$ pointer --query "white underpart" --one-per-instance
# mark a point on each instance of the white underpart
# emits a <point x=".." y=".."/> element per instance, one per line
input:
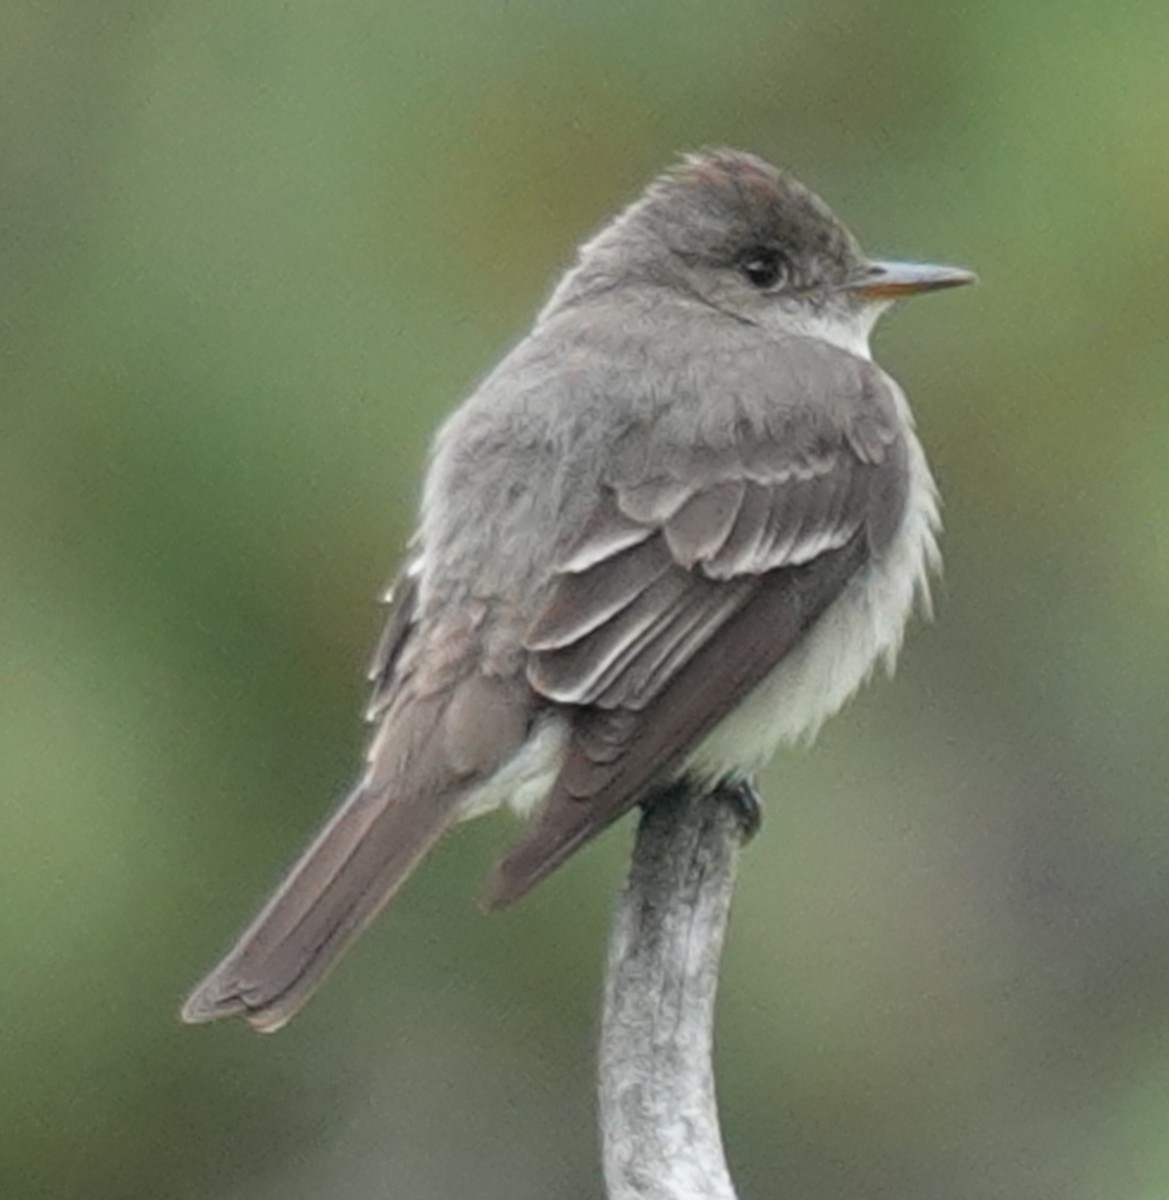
<point x="850" y="332"/>
<point x="527" y="777"/>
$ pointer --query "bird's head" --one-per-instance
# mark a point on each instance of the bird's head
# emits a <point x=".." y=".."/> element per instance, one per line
<point x="732" y="231"/>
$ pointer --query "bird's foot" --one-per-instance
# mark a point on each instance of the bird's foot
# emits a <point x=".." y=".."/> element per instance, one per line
<point x="743" y="796"/>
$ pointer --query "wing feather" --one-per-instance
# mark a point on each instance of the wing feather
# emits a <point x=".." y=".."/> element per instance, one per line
<point x="584" y="601"/>
<point x="700" y="528"/>
<point x="402" y="598"/>
<point x="579" y="670"/>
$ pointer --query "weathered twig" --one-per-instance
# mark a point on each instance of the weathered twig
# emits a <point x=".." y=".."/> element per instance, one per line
<point x="659" y="1119"/>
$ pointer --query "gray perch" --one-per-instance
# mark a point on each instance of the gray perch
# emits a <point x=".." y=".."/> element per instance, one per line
<point x="659" y="1117"/>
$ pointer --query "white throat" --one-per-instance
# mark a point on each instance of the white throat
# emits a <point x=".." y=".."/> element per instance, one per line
<point x="850" y="331"/>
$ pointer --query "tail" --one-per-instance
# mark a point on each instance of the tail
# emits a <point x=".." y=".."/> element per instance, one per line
<point x="346" y="877"/>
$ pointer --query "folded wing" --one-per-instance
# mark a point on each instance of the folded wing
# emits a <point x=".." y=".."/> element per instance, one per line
<point x="697" y="572"/>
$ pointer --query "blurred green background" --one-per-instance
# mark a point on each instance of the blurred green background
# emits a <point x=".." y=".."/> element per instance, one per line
<point x="249" y="254"/>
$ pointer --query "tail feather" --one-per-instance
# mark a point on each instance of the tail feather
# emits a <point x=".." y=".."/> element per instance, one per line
<point x="345" y="878"/>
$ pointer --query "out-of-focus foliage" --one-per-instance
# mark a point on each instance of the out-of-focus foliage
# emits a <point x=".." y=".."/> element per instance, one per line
<point x="249" y="254"/>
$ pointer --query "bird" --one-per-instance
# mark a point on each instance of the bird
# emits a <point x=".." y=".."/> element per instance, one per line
<point x="675" y="529"/>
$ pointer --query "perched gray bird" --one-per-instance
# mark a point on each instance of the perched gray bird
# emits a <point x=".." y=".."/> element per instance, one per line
<point x="677" y="526"/>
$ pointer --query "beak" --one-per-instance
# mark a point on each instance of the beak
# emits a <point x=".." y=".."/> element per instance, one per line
<point x="895" y="280"/>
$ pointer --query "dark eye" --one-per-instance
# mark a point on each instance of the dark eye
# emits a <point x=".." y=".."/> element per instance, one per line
<point x="764" y="268"/>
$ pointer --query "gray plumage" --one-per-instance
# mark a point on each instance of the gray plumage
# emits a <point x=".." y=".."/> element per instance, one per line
<point x="686" y="496"/>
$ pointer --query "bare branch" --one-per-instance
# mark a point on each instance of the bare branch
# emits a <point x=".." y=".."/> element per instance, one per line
<point x="659" y="1118"/>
